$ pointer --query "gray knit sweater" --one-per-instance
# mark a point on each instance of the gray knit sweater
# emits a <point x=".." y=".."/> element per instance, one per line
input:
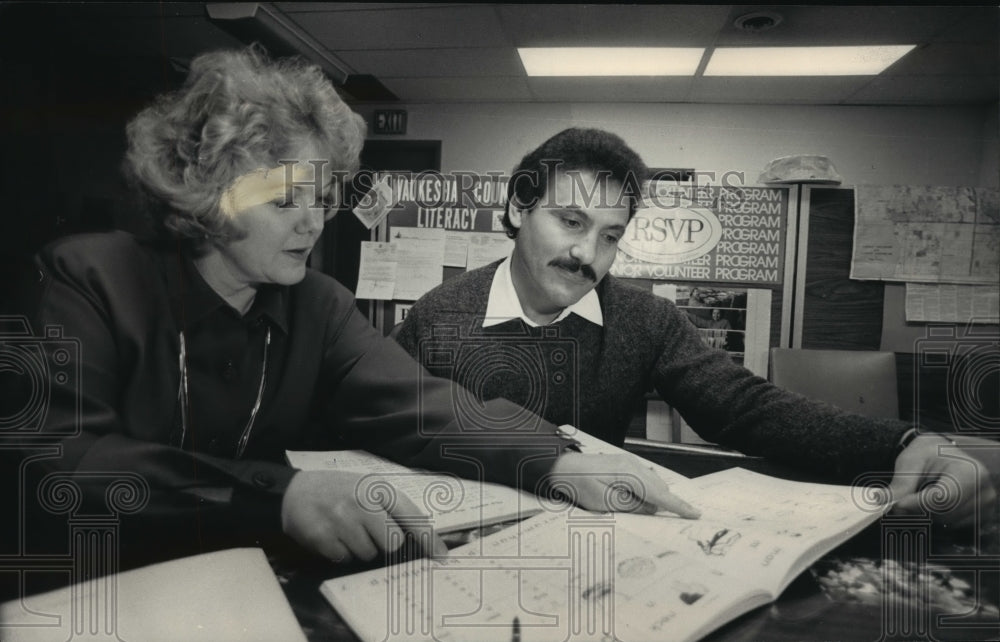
<point x="592" y="377"/>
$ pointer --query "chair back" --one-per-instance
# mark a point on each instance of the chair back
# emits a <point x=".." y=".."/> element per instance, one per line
<point x="859" y="381"/>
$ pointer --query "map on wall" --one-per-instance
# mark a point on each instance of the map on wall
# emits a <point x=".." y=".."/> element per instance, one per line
<point x="926" y="234"/>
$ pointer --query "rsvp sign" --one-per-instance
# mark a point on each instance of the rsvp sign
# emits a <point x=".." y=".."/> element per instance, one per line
<point x="719" y="234"/>
<point x="671" y="234"/>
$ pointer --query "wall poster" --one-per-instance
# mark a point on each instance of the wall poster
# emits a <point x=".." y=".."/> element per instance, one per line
<point x="718" y="234"/>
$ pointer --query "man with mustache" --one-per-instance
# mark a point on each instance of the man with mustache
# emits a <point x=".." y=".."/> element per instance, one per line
<point x="549" y="329"/>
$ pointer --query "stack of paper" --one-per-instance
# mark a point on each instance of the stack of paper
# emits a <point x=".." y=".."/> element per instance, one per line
<point x="215" y="597"/>
<point x="452" y="503"/>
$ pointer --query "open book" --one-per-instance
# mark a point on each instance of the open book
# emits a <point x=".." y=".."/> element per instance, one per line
<point x="571" y="574"/>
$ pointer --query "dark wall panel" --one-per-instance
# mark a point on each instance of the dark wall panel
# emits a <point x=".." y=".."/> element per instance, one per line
<point x="838" y="313"/>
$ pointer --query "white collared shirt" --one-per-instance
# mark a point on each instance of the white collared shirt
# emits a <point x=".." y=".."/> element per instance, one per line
<point x="503" y="304"/>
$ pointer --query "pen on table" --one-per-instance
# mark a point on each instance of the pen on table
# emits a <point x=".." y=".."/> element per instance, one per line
<point x="516" y="635"/>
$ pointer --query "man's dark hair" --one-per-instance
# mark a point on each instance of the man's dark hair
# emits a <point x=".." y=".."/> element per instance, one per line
<point x="604" y="154"/>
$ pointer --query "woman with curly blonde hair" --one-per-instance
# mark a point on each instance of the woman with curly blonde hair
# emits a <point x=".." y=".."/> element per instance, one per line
<point x="236" y="111"/>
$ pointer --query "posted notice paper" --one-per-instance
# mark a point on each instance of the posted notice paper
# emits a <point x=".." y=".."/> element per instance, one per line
<point x="420" y="260"/>
<point x="376" y="203"/>
<point x="486" y="247"/>
<point x="377" y="272"/>
<point x="952" y="303"/>
<point x="456" y="248"/>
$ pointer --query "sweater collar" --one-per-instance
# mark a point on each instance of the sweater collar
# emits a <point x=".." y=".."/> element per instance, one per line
<point x="503" y="304"/>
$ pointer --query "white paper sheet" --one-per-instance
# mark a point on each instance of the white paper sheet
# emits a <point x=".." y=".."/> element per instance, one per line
<point x="486" y="247"/>
<point x="420" y="257"/>
<point x="376" y="203"/>
<point x="456" y="249"/>
<point x="377" y="272"/>
<point x="953" y="303"/>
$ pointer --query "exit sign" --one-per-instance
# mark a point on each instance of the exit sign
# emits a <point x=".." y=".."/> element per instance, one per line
<point x="390" y="121"/>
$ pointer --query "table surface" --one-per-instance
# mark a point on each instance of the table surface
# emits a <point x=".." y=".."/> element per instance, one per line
<point x="852" y="593"/>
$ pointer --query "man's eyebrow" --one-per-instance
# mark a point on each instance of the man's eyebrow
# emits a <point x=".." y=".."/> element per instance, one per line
<point x="569" y="209"/>
<point x="617" y="227"/>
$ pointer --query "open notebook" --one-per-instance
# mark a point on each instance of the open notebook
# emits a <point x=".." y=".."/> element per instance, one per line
<point x="571" y="574"/>
<point x="214" y="597"/>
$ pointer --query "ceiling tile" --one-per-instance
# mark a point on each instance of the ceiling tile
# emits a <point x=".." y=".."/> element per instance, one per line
<point x="979" y="24"/>
<point x="459" y="90"/>
<point x="127" y="37"/>
<point x="948" y="58"/>
<point x="782" y="90"/>
<point x="611" y="25"/>
<point x="929" y="90"/>
<point x="845" y="25"/>
<point x="404" y="27"/>
<point x="414" y="63"/>
<point x="625" y="89"/>
<point x="91" y="10"/>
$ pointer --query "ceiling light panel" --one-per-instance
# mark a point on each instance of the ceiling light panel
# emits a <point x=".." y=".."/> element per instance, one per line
<point x="610" y="61"/>
<point x="804" y="61"/>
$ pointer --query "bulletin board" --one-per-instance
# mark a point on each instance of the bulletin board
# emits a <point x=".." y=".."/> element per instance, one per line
<point x="464" y="208"/>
